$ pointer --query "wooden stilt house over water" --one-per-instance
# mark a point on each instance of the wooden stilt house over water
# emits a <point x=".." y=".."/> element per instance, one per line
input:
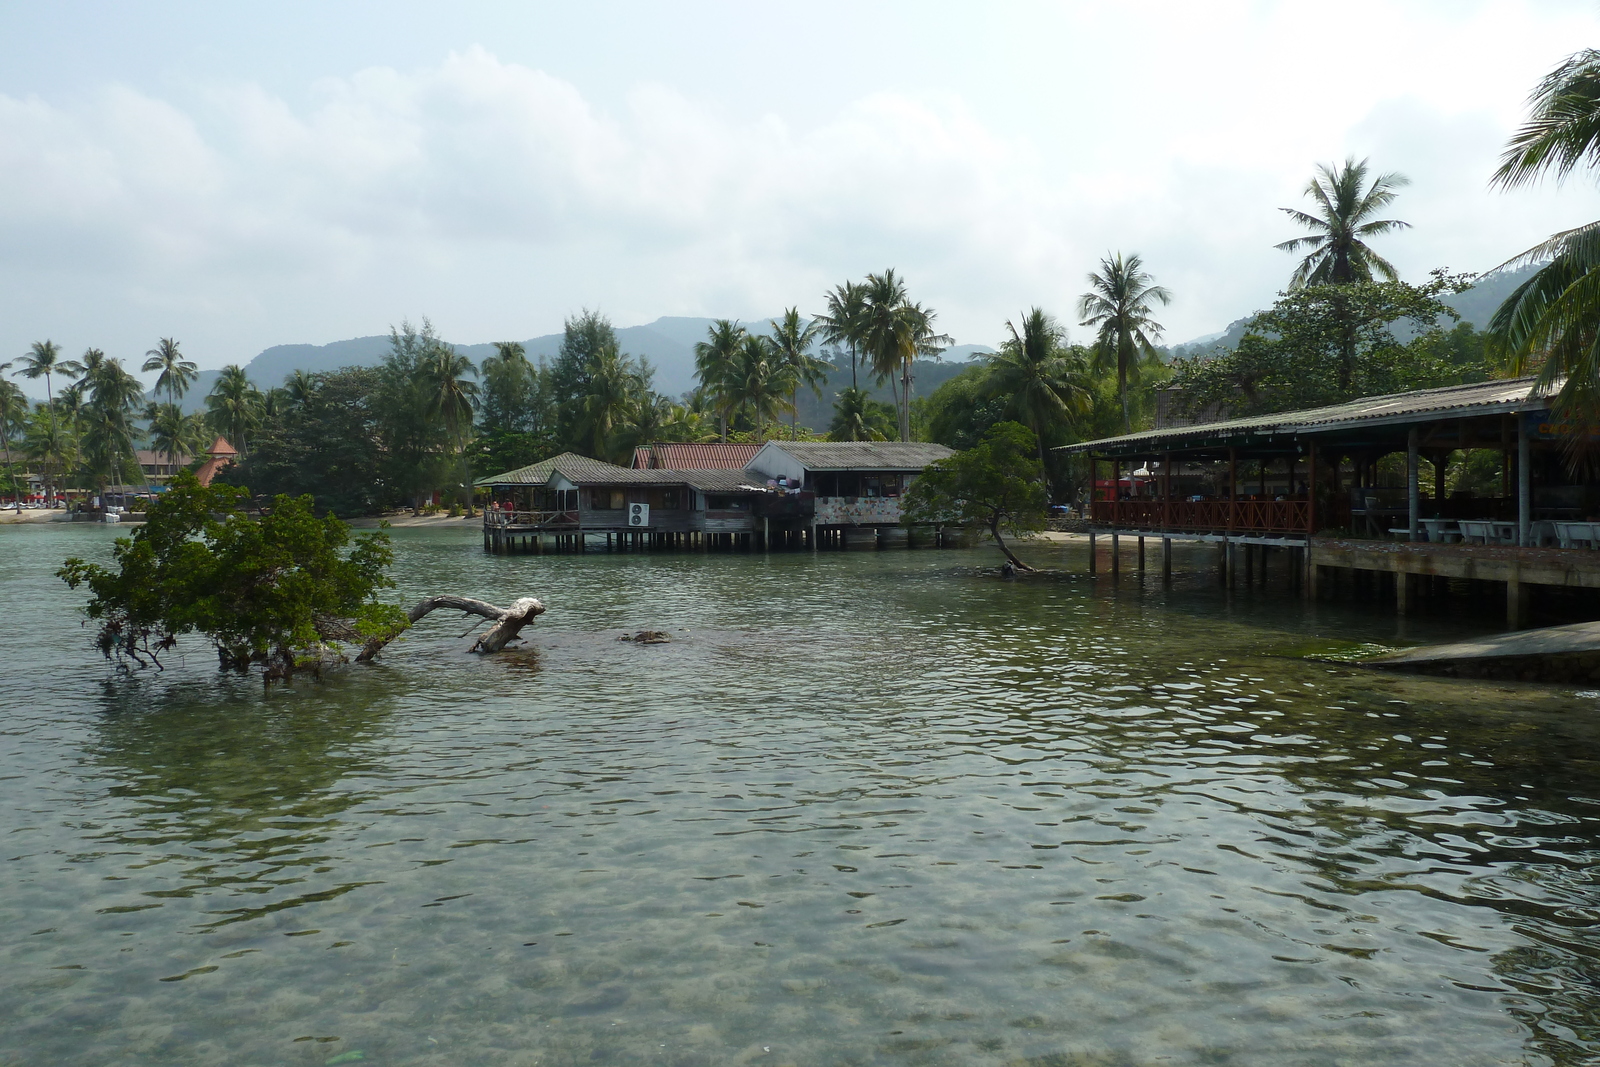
<point x="1343" y="487"/>
<point x="783" y="494"/>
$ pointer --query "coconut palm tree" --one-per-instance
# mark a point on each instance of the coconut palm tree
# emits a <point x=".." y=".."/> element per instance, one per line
<point x="1119" y="303"/>
<point x="894" y="333"/>
<point x="793" y="342"/>
<point x="1036" y="373"/>
<point x="611" y="403"/>
<point x="449" y="397"/>
<point x="1552" y="320"/>
<point x="176" y="372"/>
<point x="13" y="416"/>
<point x="762" y="383"/>
<point x="715" y="361"/>
<point x="43" y="359"/>
<point x="858" y="417"/>
<point x="1345" y="203"/>
<point x="113" y="397"/>
<point x="843" y="321"/>
<point x="234" y="407"/>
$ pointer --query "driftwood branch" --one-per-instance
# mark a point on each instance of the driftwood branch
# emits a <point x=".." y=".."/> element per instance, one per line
<point x="508" y="621"/>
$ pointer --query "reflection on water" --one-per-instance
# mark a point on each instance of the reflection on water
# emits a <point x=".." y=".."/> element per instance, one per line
<point x="872" y="808"/>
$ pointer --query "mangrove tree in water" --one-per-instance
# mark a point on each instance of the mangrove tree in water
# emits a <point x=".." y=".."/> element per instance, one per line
<point x="998" y="484"/>
<point x="287" y="591"/>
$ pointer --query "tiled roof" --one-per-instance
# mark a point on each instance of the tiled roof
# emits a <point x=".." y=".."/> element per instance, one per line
<point x="1479" y="398"/>
<point x="722" y="481"/>
<point x="575" y="467"/>
<point x="221" y="447"/>
<point x="692" y="457"/>
<point x="864" y="455"/>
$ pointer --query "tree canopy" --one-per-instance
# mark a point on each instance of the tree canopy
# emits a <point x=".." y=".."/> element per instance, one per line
<point x="280" y="591"/>
<point x="997" y="484"/>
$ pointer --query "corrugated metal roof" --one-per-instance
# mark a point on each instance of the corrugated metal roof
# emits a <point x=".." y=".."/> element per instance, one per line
<point x="708" y="457"/>
<point x="1479" y="398"/>
<point x="721" y="481"/>
<point x="864" y="455"/>
<point x="585" y="471"/>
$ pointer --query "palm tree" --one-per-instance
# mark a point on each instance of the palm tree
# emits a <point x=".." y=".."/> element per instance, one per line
<point x="1119" y="303"/>
<point x="611" y="402"/>
<point x="176" y="372"/>
<point x="43" y="358"/>
<point x="715" y="360"/>
<point x="13" y="416"/>
<point x="793" y="342"/>
<point x="449" y="397"/>
<point x="1345" y="205"/>
<point x="114" y="395"/>
<point x="762" y="382"/>
<point x="842" y="323"/>
<point x="894" y="333"/>
<point x="234" y="407"/>
<point x="1035" y="371"/>
<point x="1552" y="320"/>
<point x="858" y="417"/>
<point x="300" y="387"/>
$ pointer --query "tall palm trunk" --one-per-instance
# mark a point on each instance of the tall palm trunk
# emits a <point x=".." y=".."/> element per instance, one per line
<point x="905" y="407"/>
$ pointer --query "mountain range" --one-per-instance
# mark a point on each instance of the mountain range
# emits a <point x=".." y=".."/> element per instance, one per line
<point x="668" y="343"/>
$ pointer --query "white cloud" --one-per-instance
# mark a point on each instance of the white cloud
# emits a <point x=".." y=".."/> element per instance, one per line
<point x="499" y="198"/>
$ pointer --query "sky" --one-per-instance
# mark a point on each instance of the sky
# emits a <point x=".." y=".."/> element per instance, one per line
<point x="239" y="176"/>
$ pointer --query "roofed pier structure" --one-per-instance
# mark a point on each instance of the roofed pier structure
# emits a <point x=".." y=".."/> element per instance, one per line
<point x="782" y="494"/>
<point x="1342" y="487"/>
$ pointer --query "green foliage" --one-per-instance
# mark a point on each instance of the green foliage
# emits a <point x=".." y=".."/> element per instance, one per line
<point x="858" y="417"/>
<point x="1325" y="344"/>
<point x="325" y="442"/>
<point x="1119" y="302"/>
<point x="1337" y="253"/>
<point x="997" y="484"/>
<point x="276" y="591"/>
<point x="1551" y="323"/>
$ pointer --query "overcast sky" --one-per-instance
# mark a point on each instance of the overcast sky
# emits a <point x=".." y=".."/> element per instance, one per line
<point x="311" y="172"/>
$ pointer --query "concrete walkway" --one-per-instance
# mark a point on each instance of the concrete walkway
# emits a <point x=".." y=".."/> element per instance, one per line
<point x="1554" y="654"/>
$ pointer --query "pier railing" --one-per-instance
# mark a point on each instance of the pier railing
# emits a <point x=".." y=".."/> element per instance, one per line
<point x="1204" y="516"/>
<point x="542" y="519"/>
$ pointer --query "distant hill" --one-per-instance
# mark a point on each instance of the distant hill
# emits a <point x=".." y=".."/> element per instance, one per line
<point x="1477" y="305"/>
<point x="668" y="343"/>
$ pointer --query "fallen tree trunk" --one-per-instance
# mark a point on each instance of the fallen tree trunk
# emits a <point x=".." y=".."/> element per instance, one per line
<point x="508" y="621"/>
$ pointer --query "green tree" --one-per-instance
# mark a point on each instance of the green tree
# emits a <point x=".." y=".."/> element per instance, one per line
<point x="611" y="404"/>
<point x="894" y="332"/>
<point x="176" y="372"/>
<point x="1337" y="252"/>
<point x="858" y="417"/>
<point x="1119" y="303"/>
<point x="517" y="420"/>
<point x="583" y="339"/>
<point x="794" y="342"/>
<point x="108" y="439"/>
<point x="1039" y="377"/>
<point x="174" y="433"/>
<point x="415" y="444"/>
<point x="13" y="417"/>
<point x="275" y="591"/>
<point x="844" y="322"/>
<point x="716" y="366"/>
<point x="234" y="407"/>
<point x="1325" y="344"/>
<point x="330" y="445"/>
<point x="998" y="484"/>
<point x="1551" y="322"/>
<point x="43" y="359"/>
<point x="448" y="399"/>
<point x="762" y="383"/>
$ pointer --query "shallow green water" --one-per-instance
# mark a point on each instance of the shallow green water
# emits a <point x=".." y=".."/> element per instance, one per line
<point x="876" y="808"/>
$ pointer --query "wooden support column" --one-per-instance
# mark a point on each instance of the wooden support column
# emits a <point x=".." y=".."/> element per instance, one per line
<point x="1141" y="554"/>
<point x="1116" y="556"/>
<point x="1402" y="593"/>
<point x="1092" y="561"/>
<point x="1233" y="492"/>
<point x="1524" y="484"/>
<point x="1166" y="491"/>
<point x="1516" y="602"/>
<point x="1413" y="491"/>
<point x="1166" y="561"/>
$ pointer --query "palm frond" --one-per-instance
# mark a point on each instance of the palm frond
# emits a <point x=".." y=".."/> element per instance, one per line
<point x="1563" y="129"/>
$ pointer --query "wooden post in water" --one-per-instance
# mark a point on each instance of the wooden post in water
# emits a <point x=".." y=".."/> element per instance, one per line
<point x="1116" y="555"/>
<point x="1092" y="560"/>
<point x="1166" y="561"/>
<point x="1141" y="555"/>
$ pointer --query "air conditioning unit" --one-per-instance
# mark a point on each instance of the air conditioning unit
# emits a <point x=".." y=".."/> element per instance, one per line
<point x="638" y="514"/>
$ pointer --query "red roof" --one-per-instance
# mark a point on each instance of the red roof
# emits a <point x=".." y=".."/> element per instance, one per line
<point x="687" y="457"/>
